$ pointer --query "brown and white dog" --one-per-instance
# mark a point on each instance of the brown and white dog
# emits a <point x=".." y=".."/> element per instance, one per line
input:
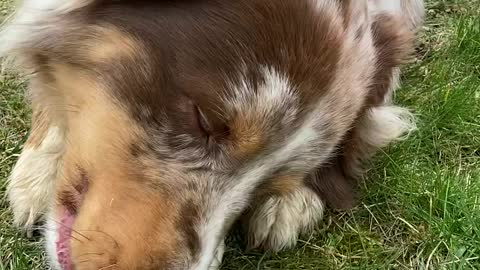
<point x="157" y="124"/>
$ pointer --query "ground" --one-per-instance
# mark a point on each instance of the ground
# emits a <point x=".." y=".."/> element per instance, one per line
<point x="421" y="199"/>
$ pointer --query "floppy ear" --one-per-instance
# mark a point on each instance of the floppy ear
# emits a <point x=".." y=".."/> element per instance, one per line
<point x="34" y="21"/>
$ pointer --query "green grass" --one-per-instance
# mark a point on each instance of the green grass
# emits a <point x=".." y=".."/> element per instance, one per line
<point x="421" y="204"/>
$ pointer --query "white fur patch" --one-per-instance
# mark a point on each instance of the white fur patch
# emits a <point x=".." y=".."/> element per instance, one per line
<point x="61" y="6"/>
<point x="217" y="260"/>
<point x="394" y="85"/>
<point x="270" y="98"/>
<point x="412" y="10"/>
<point x="51" y="229"/>
<point x="277" y="223"/>
<point x="32" y="182"/>
<point x="392" y="6"/>
<point x="32" y="19"/>
<point x="386" y="124"/>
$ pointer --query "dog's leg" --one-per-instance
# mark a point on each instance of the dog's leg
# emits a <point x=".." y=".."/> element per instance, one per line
<point x="32" y="181"/>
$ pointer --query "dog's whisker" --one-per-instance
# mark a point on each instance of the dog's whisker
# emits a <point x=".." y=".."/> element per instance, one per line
<point x="73" y="230"/>
<point x="101" y="232"/>
<point x="84" y="261"/>
<point x="88" y="254"/>
<point x="108" y="267"/>
<point x="47" y="228"/>
<point x="75" y="238"/>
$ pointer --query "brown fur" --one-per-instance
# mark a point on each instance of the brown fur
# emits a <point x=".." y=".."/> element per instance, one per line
<point x="247" y="139"/>
<point x="280" y="185"/>
<point x="394" y="44"/>
<point x="156" y="134"/>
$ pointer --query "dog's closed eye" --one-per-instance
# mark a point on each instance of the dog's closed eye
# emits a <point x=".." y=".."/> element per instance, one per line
<point x="202" y="121"/>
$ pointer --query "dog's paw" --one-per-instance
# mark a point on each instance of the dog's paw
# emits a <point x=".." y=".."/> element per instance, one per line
<point x="32" y="182"/>
<point x="217" y="260"/>
<point x="277" y="223"/>
<point x="30" y="189"/>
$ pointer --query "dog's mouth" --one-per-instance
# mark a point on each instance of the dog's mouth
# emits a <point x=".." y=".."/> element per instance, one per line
<point x="70" y="202"/>
<point x="64" y="234"/>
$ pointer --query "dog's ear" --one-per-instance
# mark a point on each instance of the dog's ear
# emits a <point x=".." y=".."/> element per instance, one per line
<point x="33" y="25"/>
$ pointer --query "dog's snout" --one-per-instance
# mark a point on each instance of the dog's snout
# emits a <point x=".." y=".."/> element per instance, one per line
<point x="94" y="250"/>
<point x="124" y="227"/>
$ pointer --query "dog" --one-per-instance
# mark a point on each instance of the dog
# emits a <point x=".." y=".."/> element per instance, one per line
<point x="159" y="124"/>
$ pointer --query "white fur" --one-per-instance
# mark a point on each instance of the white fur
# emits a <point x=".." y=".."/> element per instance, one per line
<point x="60" y="6"/>
<point x="217" y="260"/>
<point x="386" y="124"/>
<point x="274" y="95"/>
<point x="392" y="6"/>
<point x="394" y="85"/>
<point x="51" y="229"/>
<point x="413" y="11"/>
<point x="31" y="20"/>
<point x="278" y="222"/>
<point x="32" y="182"/>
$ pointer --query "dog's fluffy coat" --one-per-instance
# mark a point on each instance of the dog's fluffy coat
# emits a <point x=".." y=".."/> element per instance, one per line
<point x="157" y="124"/>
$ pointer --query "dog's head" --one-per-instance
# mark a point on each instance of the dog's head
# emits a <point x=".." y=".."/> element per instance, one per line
<point x="172" y="113"/>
